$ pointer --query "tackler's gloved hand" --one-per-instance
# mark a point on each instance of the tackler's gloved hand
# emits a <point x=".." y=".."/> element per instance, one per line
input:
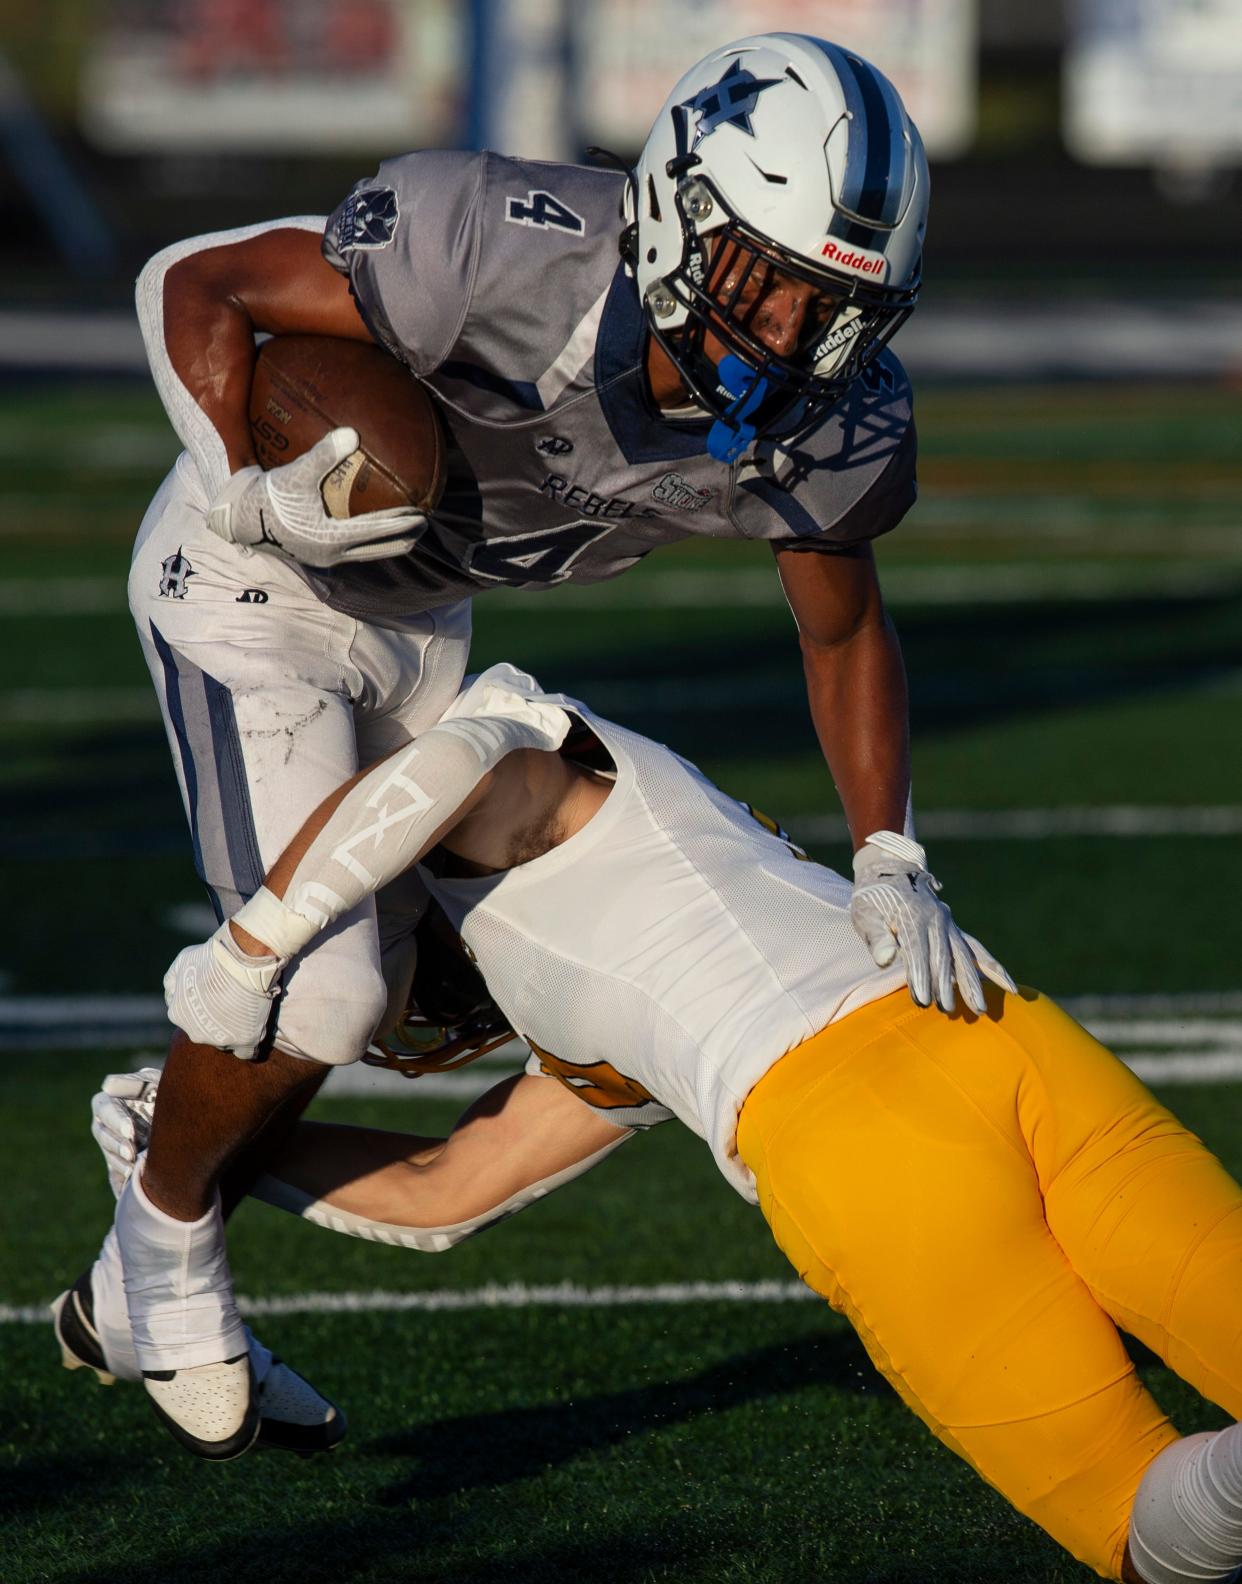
<point x="219" y="995"/>
<point x="282" y="512"/>
<point x="895" y="909"/>
<point x="121" y="1121"/>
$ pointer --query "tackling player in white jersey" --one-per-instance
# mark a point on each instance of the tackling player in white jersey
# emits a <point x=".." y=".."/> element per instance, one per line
<point x="986" y="1197"/>
<point x="622" y="360"/>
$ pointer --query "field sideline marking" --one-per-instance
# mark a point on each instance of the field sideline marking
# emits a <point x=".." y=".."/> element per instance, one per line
<point x="510" y="1295"/>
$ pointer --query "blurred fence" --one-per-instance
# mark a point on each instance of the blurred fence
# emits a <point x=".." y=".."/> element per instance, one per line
<point x="124" y="123"/>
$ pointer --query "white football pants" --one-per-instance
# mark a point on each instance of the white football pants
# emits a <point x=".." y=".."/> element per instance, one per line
<point x="271" y="699"/>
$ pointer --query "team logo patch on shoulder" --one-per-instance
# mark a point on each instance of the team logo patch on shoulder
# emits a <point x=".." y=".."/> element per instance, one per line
<point x="367" y="220"/>
<point x="553" y="445"/>
<point x="678" y="492"/>
<point x="175" y="575"/>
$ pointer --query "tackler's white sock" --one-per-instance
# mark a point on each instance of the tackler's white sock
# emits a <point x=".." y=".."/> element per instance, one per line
<point x="1187" y="1519"/>
<point x="178" y="1289"/>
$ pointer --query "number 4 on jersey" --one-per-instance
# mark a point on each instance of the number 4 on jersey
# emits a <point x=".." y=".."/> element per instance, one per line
<point x="542" y="209"/>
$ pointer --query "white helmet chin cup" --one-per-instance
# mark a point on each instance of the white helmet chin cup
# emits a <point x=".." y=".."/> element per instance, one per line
<point x="805" y="151"/>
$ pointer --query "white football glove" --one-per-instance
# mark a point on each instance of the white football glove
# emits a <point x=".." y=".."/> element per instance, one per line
<point x="219" y="995"/>
<point x="895" y="909"/>
<point x="121" y="1121"/>
<point x="283" y="512"/>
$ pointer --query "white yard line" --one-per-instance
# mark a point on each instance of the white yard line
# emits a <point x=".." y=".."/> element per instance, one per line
<point x="1185" y="1067"/>
<point x="1168" y="1031"/>
<point x="512" y="1295"/>
<point x="1041" y="824"/>
<point x="1191" y="1038"/>
<point x="1173" y="1005"/>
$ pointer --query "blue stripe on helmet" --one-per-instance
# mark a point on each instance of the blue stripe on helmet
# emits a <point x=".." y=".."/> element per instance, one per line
<point x="876" y="153"/>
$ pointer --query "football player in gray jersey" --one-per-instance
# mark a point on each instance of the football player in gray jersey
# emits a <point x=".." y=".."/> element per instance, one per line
<point x="622" y="360"/>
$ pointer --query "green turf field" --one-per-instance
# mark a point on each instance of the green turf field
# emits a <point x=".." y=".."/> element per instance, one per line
<point x="1069" y="592"/>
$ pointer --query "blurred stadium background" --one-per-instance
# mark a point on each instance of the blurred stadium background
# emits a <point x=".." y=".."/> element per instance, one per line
<point x="599" y="1387"/>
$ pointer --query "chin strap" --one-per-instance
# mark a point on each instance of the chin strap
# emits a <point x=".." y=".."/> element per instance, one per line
<point x="731" y="435"/>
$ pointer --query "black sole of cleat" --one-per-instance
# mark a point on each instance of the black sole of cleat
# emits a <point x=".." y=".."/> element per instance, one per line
<point x="278" y="1435"/>
<point x="225" y="1451"/>
<point x="73" y="1319"/>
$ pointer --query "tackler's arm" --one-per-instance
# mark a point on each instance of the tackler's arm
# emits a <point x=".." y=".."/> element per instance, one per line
<point x="525" y="1137"/>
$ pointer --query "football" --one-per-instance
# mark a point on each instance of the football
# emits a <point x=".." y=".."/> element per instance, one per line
<point x="306" y="385"/>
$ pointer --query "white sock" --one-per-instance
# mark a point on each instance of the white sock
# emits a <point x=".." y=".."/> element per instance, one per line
<point x="178" y="1289"/>
<point x="111" y="1315"/>
<point x="1187" y="1519"/>
<point x="112" y="1319"/>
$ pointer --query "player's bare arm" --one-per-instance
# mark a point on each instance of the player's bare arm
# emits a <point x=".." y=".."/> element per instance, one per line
<point x="855" y="680"/>
<point x="525" y="1136"/>
<point x="216" y="300"/>
<point x="521" y="1133"/>
<point x="856" y="686"/>
<point x="200" y="307"/>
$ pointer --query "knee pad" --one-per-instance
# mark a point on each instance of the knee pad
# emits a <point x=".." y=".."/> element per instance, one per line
<point x="330" y="1018"/>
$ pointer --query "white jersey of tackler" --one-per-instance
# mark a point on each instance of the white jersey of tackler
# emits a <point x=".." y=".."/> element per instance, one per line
<point x="662" y="959"/>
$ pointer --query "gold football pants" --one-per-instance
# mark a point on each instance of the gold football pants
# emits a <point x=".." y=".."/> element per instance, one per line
<point x="986" y="1200"/>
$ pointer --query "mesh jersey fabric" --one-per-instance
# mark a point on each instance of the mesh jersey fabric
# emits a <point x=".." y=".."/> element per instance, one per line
<point x="665" y="956"/>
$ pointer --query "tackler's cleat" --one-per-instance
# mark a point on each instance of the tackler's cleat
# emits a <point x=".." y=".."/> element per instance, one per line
<point x="212" y="1409"/>
<point x="294" y="1417"/>
<point x="73" y="1318"/>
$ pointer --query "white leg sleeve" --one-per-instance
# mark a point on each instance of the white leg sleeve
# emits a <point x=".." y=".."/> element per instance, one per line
<point x="111" y="1316"/>
<point x="178" y="1289"/>
<point x="1187" y="1519"/>
<point x="426" y="1239"/>
<point x="112" y="1320"/>
<point x="197" y="433"/>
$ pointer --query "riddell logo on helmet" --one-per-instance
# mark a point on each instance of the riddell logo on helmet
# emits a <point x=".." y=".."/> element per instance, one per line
<point x="860" y="260"/>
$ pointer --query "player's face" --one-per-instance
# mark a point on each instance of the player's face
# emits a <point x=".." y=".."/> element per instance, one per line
<point x="776" y="309"/>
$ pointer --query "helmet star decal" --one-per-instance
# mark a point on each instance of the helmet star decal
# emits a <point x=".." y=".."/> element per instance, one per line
<point x="729" y="102"/>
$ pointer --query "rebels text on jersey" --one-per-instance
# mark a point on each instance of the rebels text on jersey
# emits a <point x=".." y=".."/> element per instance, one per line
<point x="498" y="282"/>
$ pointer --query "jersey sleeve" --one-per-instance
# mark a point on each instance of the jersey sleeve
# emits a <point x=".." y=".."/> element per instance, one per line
<point x="407" y="239"/>
<point x="850" y="479"/>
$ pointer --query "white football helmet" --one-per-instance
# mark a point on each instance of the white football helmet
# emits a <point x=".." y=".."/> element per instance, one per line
<point x="796" y="158"/>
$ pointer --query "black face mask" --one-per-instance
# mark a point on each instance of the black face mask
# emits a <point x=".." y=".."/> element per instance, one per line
<point x="753" y="391"/>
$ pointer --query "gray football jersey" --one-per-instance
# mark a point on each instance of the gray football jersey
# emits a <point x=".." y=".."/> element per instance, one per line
<point x="498" y="282"/>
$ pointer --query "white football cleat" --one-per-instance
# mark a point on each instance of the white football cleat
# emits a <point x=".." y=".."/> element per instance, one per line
<point x="293" y="1416"/>
<point x="212" y="1409"/>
